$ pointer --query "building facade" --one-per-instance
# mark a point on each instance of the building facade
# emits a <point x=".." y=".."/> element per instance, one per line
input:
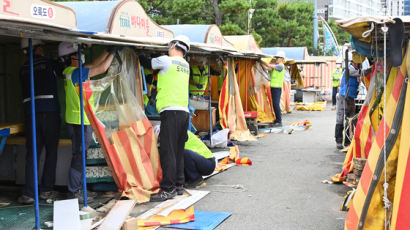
<point x="344" y="9"/>
<point x="406" y="7"/>
<point x="393" y="8"/>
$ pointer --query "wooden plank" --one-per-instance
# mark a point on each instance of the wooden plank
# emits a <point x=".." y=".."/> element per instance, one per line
<point x="166" y="207"/>
<point x="14" y="127"/>
<point x="117" y="215"/>
<point x="66" y="215"/>
<point x="216" y="172"/>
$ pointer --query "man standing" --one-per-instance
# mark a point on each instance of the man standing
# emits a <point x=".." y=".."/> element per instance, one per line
<point x="47" y="111"/>
<point x="348" y="92"/>
<point x="68" y="51"/>
<point x="277" y="74"/>
<point x="336" y="76"/>
<point x="172" y="104"/>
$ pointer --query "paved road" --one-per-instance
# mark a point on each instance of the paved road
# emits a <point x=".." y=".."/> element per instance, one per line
<point x="283" y="189"/>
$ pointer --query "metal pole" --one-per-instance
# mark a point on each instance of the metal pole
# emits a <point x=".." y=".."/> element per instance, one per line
<point x="315" y="28"/>
<point x="33" y="129"/>
<point x="246" y="86"/>
<point x="209" y="103"/>
<point x="80" y="65"/>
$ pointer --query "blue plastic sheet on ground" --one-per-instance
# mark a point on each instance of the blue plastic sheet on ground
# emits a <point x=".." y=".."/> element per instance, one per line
<point x="203" y="220"/>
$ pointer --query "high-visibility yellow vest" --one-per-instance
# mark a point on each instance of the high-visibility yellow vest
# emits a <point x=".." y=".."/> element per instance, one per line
<point x="173" y="85"/>
<point x="277" y="77"/>
<point x="336" y="76"/>
<point x="199" y="78"/>
<point x="196" y="145"/>
<point x="72" y="100"/>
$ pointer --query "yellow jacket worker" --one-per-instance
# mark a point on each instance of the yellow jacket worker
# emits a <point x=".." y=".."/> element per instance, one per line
<point x="68" y="51"/>
<point x="277" y="74"/>
<point x="172" y="104"/>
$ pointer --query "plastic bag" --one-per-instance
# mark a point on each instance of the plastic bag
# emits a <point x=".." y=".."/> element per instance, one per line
<point x="219" y="139"/>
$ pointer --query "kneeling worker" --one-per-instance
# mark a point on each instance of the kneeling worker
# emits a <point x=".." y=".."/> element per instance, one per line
<point x="198" y="160"/>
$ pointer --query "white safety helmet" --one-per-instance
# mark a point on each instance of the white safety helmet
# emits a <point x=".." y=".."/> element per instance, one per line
<point x="280" y="54"/>
<point x="182" y="42"/>
<point x="66" y="48"/>
<point x="35" y="42"/>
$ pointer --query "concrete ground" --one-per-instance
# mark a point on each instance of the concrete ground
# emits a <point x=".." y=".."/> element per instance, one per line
<point x="283" y="188"/>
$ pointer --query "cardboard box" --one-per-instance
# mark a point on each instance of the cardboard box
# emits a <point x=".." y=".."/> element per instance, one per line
<point x="201" y="121"/>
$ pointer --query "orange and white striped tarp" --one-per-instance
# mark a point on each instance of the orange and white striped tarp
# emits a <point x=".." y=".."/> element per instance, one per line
<point x="126" y="136"/>
<point x="263" y="97"/>
<point x="367" y="208"/>
<point x="230" y="108"/>
<point x="285" y="98"/>
<point x="132" y="155"/>
<point x="249" y="93"/>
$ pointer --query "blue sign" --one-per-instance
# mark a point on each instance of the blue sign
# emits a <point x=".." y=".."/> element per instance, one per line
<point x="330" y="44"/>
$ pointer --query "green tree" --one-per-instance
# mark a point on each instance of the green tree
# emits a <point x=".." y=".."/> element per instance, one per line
<point x="229" y="15"/>
<point x="284" y="24"/>
<point x="341" y="35"/>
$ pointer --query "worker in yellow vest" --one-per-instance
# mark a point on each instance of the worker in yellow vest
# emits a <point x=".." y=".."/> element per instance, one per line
<point x="277" y="75"/>
<point x="68" y="52"/>
<point x="199" y="161"/>
<point x="336" y="76"/>
<point x="172" y="104"/>
<point x="198" y="80"/>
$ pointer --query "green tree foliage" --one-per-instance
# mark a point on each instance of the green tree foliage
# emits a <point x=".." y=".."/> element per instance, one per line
<point x="284" y="23"/>
<point x="341" y="35"/>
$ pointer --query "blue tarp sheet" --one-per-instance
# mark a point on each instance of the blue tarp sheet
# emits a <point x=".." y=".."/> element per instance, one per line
<point x="203" y="220"/>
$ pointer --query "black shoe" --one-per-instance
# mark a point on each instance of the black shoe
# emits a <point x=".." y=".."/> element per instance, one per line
<point x="23" y="199"/>
<point x="49" y="195"/>
<point x="195" y="183"/>
<point x="339" y="146"/>
<point x="80" y="196"/>
<point x="180" y="190"/>
<point x="163" y="195"/>
<point x="277" y="124"/>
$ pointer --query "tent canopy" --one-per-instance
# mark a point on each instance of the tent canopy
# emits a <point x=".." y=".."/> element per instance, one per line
<point x="124" y="18"/>
<point x="296" y="53"/>
<point x="208" y="34"/>
<point x="38" y="12"/>
<point x="244" y="43"/>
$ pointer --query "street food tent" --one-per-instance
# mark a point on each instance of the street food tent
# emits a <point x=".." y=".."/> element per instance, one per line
<point x="136" y="169"/>
<point x="53" y="22"/>
<point x="316" y="70"/>
<point x="22" y="18"/>
<point x="381" y="131"/>
<point x="24" y="14"/>
<point x="253" y="86"/>
<point x="231" y="113"/>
